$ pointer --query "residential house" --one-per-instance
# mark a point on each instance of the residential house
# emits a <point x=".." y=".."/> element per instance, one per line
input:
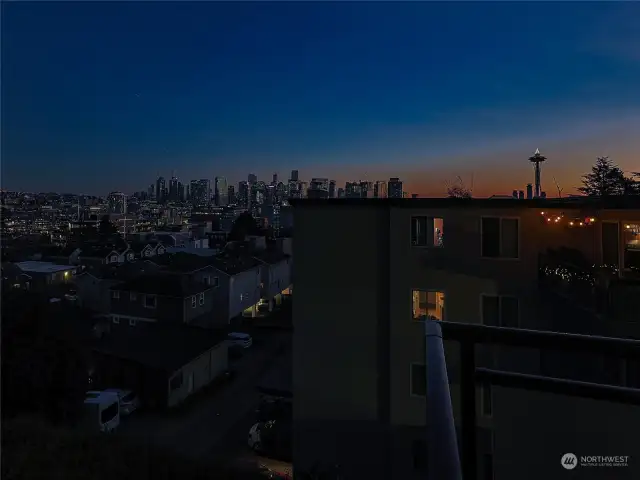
<point x="164" y="365"/>
<point x="47" y="275"/>
<point x="276" y="275"/>
<point x="401" y="261"/>
<point x="146" y="249"/>
<point x="161" y="298"/>
<point x="239" y="285"/>
<point x="106" y="255"/>
<point x="94" y="283"/>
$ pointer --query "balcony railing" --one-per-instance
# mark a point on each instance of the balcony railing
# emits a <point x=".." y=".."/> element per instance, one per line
<point x="444" y="460"/>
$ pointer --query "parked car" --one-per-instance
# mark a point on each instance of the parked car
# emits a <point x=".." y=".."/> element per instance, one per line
<point x="129" y="401"/>
<point x="272" y="439"/>
<point x="243" y="340"/>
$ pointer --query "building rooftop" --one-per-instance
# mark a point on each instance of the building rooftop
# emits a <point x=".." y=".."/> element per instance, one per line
<point x="164" y="347"/>
<point x="270" y="256"/>
<point x="181" y="262"/>
<point x="233" y="263"/>
<point x="33" y="266"/>
<point x="121" y="272"/>
<point x="613" y="203"/>
<point x="164" y="284"/>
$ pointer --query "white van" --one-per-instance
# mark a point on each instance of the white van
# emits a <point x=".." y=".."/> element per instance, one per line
<point x="243" y="340"/>
<point x="102" y="411"/>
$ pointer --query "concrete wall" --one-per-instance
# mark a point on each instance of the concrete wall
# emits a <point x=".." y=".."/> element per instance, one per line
<point x="202" y="370"/>
<point x="335" y="349"/>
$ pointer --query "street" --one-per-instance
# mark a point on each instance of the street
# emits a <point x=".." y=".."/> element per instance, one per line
<point x="214" y="426"/>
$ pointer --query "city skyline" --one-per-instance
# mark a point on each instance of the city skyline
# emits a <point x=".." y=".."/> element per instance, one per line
<point x="108" y="96"/>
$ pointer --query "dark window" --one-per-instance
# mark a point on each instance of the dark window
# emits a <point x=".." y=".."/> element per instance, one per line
<point x="207" y="281"/>
<point x="418" y="379"/>
<point x="109" y="413"/>
<point x="419" y="448"/>
<point x="488" y="466"/>
<point x="500" y="311"/>
<point x="500" y="237"/>
<point x="610" y="243"/>
<point x="509" y="244"/>
<point x="509" y="312"/>
<point x="150" y="301"/>
<point x="215" y="281"/>
<point x="490" y="310"/>
<point x="176" y="382"/>
<point x="491" y="237"/>
<point x="487" y="399"/>
<point x="419" y="231"/>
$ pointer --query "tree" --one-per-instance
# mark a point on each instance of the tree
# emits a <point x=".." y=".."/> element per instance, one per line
<point x="106" y="227"/>
<point x="458" y="190"/>
<point x="607" y="179"/>
<point x="244" y="225"/>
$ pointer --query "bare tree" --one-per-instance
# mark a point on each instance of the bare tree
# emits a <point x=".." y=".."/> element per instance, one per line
<point x="458" y="189"/>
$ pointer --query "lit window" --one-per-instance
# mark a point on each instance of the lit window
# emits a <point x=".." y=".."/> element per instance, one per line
<point x="427" y="305"/>
<point x="427" y="231"/>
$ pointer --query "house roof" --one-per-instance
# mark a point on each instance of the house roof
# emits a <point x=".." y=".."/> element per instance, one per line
<point x="233" y="263"/>
<point x="165" y="347"/>
<point x="180" y="262"/>
<point x="33" y="266"/>
<point x="270" y="256"/>
<point x="609" y="203"/>
<point x="163" y="284"/>
<point x="138" y="247"/>
<point x="121" y="272"/>
<point x="97" y="252"/>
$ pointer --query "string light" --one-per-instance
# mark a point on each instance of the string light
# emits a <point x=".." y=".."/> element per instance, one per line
<point x="575" y="222"/>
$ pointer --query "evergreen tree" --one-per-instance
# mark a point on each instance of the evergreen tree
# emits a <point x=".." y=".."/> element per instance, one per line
<point x="605" y="180"/>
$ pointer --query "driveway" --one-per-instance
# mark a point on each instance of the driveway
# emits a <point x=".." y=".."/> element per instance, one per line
<point x="203" y="426"/>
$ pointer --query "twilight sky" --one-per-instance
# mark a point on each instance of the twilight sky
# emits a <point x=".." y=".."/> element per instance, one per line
<point x="106" y="96"/>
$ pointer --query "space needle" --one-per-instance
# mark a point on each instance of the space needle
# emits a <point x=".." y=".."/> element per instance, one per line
<point x="537" y="159"/>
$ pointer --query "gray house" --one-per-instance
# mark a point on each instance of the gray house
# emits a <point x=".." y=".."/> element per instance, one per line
<point x="160" y="298"/>
<point x="276" y="275"/>
<point x="94" y="284"/>
<point x="164" y="364"/>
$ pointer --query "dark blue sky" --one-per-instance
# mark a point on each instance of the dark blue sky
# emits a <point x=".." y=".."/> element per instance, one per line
<point x="105" y="96"/>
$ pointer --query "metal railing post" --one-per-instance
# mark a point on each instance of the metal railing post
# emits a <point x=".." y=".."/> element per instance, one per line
<point x="468" y="409"/>
<point x="443" y="461"/>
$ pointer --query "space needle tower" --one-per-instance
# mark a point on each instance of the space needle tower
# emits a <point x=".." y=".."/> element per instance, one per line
<point x="537" y="159"/>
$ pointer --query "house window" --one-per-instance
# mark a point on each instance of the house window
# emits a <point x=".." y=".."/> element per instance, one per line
<point x="427" y="232"/>
<point x="130" y="256"/>
<point x="133" y="296"/>
<point x="419" y="450"/>
<point x="160" y="251"/>
<point x="418" y="380"/>
<point x="427" y="305"/>
<point x="631" y="234"/>
<point x="114" y="258"/>
<point x="132" y="322"/>
<point x="486" y="399"/>
<point x="176" y="382"/>
<point x="115" y="294"/>
<point x="150" y="301"/>
<point x="500" y="311"/>
<point x="201" y="299"/>
<point x="116" y="320"/>
<point x="207" y="280"/>
<point x="193" y="301"/>
<point x="499" y="237"/>
<point x="216" y="281"/>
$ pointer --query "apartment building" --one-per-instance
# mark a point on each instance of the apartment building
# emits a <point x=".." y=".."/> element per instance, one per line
<point x="369" y="272"/>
